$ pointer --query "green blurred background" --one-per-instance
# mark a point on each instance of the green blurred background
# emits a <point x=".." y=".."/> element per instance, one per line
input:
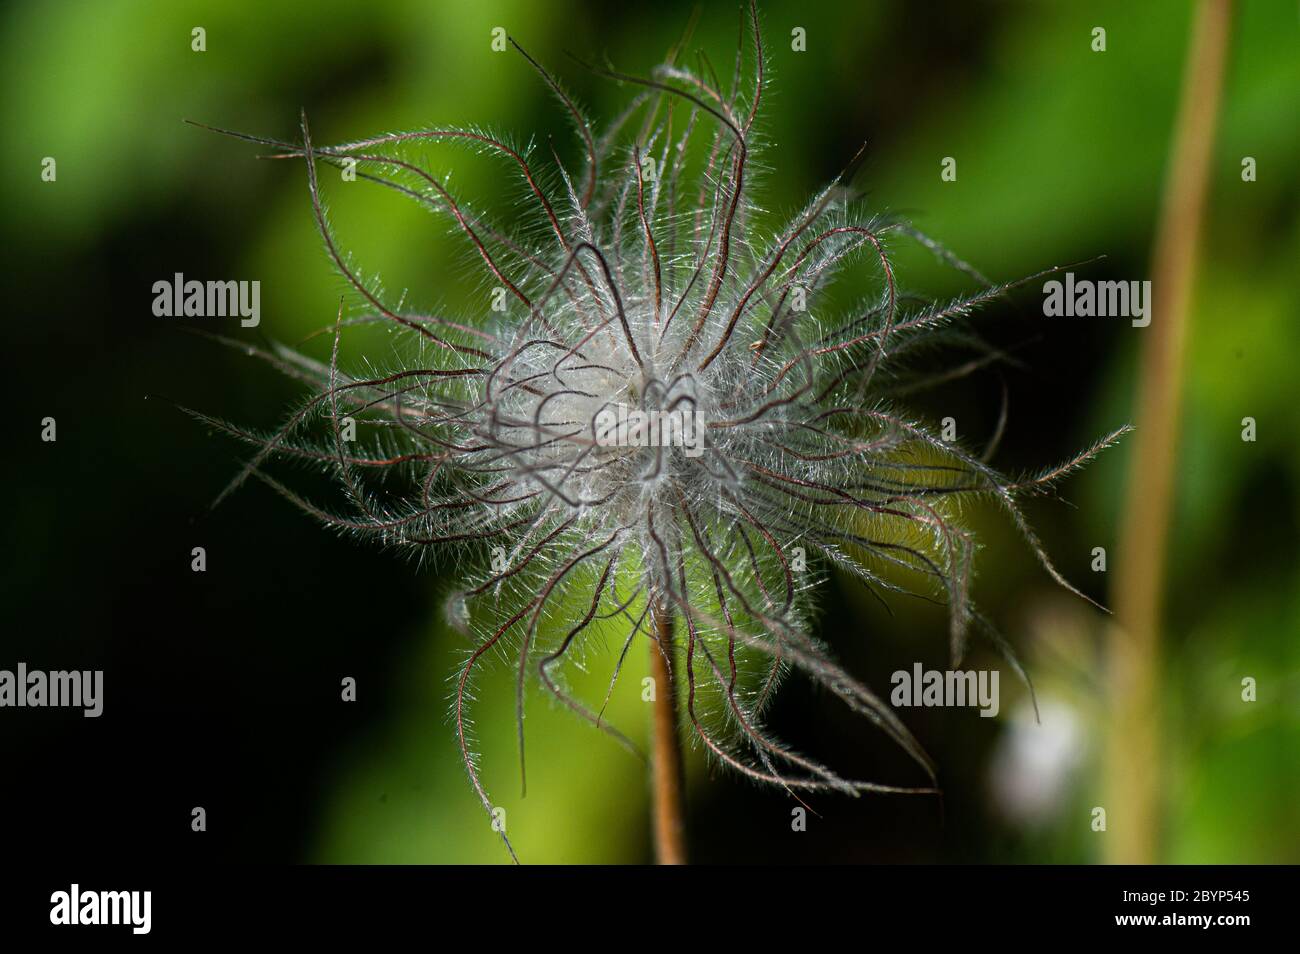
<point x="224" y="687"/>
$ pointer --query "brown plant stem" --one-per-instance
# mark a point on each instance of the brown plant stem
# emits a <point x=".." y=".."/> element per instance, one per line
<point x="668" y="797"/>
<point x="1133" y="785"/>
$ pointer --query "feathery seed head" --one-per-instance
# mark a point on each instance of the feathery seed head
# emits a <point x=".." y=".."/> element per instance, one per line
<point x="670" y="414"/>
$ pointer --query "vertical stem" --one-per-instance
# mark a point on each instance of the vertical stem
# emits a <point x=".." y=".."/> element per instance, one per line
<point x="1133" y="747"/>
<point x="668" y="803"/>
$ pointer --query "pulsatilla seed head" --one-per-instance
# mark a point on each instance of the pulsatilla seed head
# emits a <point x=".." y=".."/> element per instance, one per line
<point x="676" y="418"/>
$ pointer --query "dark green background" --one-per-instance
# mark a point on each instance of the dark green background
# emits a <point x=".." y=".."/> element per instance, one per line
<point x="222" y="689"/>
